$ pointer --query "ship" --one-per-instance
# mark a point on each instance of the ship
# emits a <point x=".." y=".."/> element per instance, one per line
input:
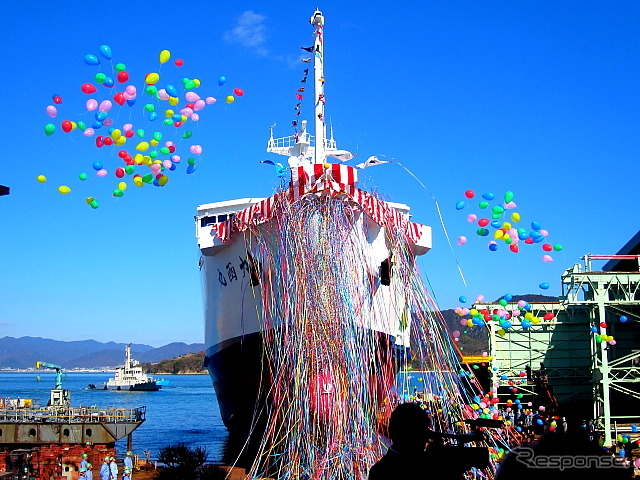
<point x="130" y="377"/>
<point x="312" y="304"/>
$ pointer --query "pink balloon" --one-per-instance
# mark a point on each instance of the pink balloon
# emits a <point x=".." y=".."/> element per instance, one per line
<point x="89" y="132"/>
<point x="155" y="168"/>
<point x="463" y="322"/>
<point x="187" y="112"/>
<point x="199" y="105"/>
<point x="464" y="311"/>
<point x="462" y="240"/>
<point x="547" y="258"/>
<point x="456" y="333"/>
<point x="195" y="117"/>
<point x="52" y="111"/>
<point x="102" y="173"/>
<point x="169" y="143"/>
<point x="107" y="122"/>
<point x="131" y="90"/>
<point x="544" y="233"/>
<point x="210" y="100"/>
<point x="457" y="309"/>
<point x="510" y="206"/>
<point x="472" y="217"/>
<point x="127" y="126"/>
<point x="175" y="159"/>
<point x="480" y="298"/>
<point x="166" y="163"/>
<point x="192" y="96"/>
<point x="197" y="149"/>
<point x="91" y="104"/>
<point x="521" y="303"/>
<point x="128" y="96"/>
<point x="105" y="106"/>
<point x="162" y="94"/>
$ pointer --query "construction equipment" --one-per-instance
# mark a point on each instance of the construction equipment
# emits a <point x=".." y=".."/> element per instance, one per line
<point x="51" y="366"/>
<point x="59" y="396"/>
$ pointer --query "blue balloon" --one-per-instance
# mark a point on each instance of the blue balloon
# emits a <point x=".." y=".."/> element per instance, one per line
<point x="172" y="167"/>
<point x="108" y="82"/>
<point x="96" y="125"/>
<point x="508" y="297"/>
<point x="91" y="60"/>
<point x="539" y="421"/>
<point x="105" y="51"/>
<point x="544" y="286"/>
<point x="171" y="91"/>
<point x="100" y="116"/>
<point x="131" y="102"/>
<point x="222" y="80"/>
<point x="496" y="224"/>
<point x="594" y="329"/>
<point x="493" y="247"/>
<point x="177" y="117"/>
<point x="488" y="196"/>
<point x="460" y="205"/>
<point x="462" y="299"/>
<point x="97" y="166"/>
<point x="156" y="183"/>
<point x="624" y="318"/>
<point x="153" y="115"/>
<point x="536" y="225"/>
<point x="191" y="169"/>
<point x="483" y="232"/>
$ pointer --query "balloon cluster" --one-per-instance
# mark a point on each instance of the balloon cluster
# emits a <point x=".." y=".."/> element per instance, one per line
<point x="504" y="229"/>
<point x="149" y="149"/>
<point x="505" y="317"/>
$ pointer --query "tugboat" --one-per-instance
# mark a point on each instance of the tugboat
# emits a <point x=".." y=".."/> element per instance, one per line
<point x="130" y="377"/>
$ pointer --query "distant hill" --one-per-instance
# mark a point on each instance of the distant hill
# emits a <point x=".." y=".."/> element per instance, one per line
<point x="189" y="363"/>
<point x="24" y="352"/>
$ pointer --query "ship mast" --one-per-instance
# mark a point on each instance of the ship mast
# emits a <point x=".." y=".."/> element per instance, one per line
<point x="317" y="20"/>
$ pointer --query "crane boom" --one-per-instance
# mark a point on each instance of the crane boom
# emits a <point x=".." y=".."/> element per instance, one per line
<point x="51" y="366"/>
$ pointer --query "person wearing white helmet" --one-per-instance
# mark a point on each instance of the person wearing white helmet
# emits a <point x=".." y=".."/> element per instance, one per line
<point x="128" y="463"/>
<point x="105" y="472"/>
<point x="113" y="469"/>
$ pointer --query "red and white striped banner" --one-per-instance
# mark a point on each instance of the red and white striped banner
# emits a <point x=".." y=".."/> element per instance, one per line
<point x="305" y="178"/>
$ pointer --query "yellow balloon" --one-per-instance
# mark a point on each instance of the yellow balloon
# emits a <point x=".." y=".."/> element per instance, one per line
<point x="183" y="119"/>
<point x="142" y="146"/>
<point x="41" y="178"/>
<point x="498" y="234"/>
<point x="165" y="55"/>
<point x="138" y="158"/>
<point x="64" y="189"/>
<point x="89" y="200"/>
<point x="116" y="134"/>
<point x="327" y="165"/>
<point x="121" y="141"/>
<point x="147" y="160"/>
<point x="173" y="100"/>
<point x="152" y="78"/>
<point x="122" y="185"/>
<point x="153" y="142"/>
<point x="515" y="217"/>
<point x="163" y="180"/>
<point x="74" y="125"/>
<point x="506" y="225"/>
<point x="231" y="99"/>
<point x="197" y="82"/>
<point x="473" y="312"/>
<point x="137" y="181"/>
<point x="469" y="323"/>
<point x="168" y="112"/>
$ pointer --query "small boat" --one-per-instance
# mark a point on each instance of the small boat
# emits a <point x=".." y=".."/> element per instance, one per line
<point x="130" y="377"/>
<point x="163" y="382"/>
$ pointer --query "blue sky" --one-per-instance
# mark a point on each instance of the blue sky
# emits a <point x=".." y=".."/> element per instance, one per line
<point x="538" y="98"/>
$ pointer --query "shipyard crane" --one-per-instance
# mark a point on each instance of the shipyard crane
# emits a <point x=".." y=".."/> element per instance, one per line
<point x="59" y="395"/>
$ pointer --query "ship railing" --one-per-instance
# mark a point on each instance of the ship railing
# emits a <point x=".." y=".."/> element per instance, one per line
<point x="65" y="414"/>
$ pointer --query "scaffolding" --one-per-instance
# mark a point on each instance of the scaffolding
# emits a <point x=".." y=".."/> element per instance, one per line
<point x="589" y="374"/>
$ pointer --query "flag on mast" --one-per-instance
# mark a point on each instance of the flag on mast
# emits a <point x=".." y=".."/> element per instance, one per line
<point x="372" y="161"/>
<point x="341" y="155"/>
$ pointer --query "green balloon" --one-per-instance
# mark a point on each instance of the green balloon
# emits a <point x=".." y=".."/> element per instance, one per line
<point x="190" y="84"/>
<point x="508" y="196"/>
<point x="100" y="77"/>
<point x="140" y="132"/>
<point x="191" y="161"/>
<point x="496" y="216"/>
<point x="150" y="107"/>
<point x="129" y="169"/>
<point x="168" y="121"/>
<point x="503" y="302"/>
<point x="82" y="176"/>
<point x="497" y="209"/>
<point x="49" y="128"/>
<point x="120" y="67"/>
<point x="483" y="204"/>
<point x="148" y="178"/>
<point x="82" y="126"/>
<point x="94" y="204"/>
<point x="557" y="247"/>
<point x="187" y="134"/>
<point x="118" y="193"/>
<point x="157" y="136"/>
<point x="152" y="90"/>
<point x="153" y="154"/>
<point x="165" y="151"/>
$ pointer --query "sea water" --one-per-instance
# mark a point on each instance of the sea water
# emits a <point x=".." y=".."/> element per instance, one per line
<point x="186" y="411"/>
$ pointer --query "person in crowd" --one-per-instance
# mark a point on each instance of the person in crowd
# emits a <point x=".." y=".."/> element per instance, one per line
<point x="84" y="461"/>
<point x="128" y="463"/>
<point x="89" y="473"/>
<point x="83" y="473"/>
<point x="113" y="469"/>
<point x="126" y="474"/>
<point x="105" y="471"/>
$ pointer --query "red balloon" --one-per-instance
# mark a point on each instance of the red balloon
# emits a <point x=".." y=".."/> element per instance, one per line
<point x="179" y="62"/>
<point x="108" y="140"/>
<point x="514" y="248"/>
<point x="238" y="91"/>
<point x="528" y="241"/>
<point x="88" y="88"/>
<point x="123" y="77"/>
<point x="483" y="222"/>
<point x="129" y="133"/>
<point x="547" y="247"/>
<point x="66" y="126"/>
<point x="122" y="153"/>
<point x="548" y="316"/>
<point x="119" y="172"/>
<point x="57" y="99"/>
<point x="119" y="98"/>
<point x="172" y="149"/>
<point x="99" y="141"/>
<point x="177" y="124"/>
<point x="469" y="194"/>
